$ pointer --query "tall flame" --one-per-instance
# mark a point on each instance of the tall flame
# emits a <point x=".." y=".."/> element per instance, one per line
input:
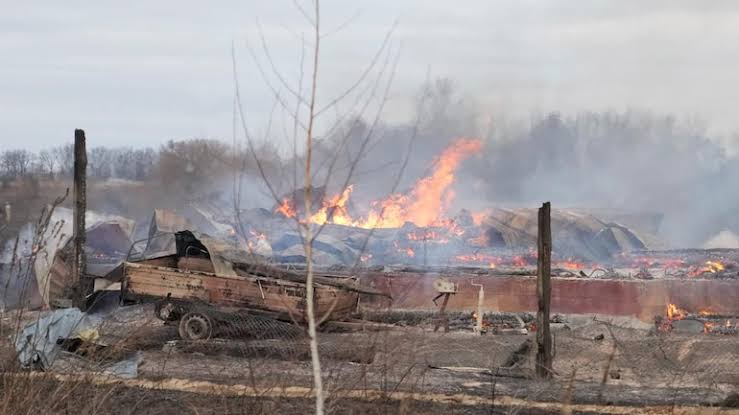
<point x="430" y="196"/>
<point x="424" y="205"/>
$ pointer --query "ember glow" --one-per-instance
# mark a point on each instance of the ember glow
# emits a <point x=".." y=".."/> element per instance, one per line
<point x="286" y="208"/>
<point x="709" y="267"/>
<point x="424" y="205"/>
<point x="712" y="324"/>
<point x="664" y="263"/>
<point x="713" y="266"/>
<point x="570" y="264"/>
<point x="480" y="258"/>
<point x="427" y="235"/>
<point x="480" y="216"/>
<point x="675" y="313"/>
<point x="404" y="250"/>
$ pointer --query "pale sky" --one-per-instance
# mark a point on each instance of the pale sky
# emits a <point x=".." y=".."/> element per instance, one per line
<point x="140" y="73"/>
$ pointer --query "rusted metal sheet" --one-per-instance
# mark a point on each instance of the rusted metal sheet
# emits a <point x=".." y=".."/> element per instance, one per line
<point x="642" y="299"/>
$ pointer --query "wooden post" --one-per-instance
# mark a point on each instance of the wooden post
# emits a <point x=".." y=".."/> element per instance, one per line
<point x="480" y="301"/>
<point x="544" y="292"/>
<point x="443" y="319"/>
<point x="78" y="221"/>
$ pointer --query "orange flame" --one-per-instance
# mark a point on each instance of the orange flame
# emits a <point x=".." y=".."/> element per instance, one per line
<point x="286" y="208"/>
<point x="571" y="264"/>
<point x="713" y="266"/>
<point x="427" y="235"/>
<point x="675" y="313"/>
<point x="407" y="251"/>
<point x="336" y="207"/>
<point x="479" y="217"/>
<point x="430" y="196"/>
<point x="258" y="235"/>
<point x="424" y="205"/>
<point x="710" y="267"/>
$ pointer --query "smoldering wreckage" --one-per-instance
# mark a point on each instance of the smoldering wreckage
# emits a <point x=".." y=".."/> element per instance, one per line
<point x="201" y="275"/>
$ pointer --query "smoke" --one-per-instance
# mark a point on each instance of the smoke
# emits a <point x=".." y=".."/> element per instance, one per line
<point x="635" y="161"/>
<point x="632" y="161"/>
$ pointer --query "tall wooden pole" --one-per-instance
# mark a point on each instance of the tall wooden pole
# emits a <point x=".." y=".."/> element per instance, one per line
<point x="78" y="221"/>
<point x="544" y="291"/>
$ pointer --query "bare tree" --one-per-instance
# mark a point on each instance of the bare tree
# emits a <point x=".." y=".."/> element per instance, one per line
<point x="64" y="156"/>
<point x="100" y="164"/>
<point x="47" y="162"/>
<point x="16" y="163"/>
<point x="303" y="111"/>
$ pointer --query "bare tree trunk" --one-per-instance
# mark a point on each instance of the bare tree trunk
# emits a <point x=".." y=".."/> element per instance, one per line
<point x="308" y="239"/>
<point x="543" y="290"/>
<point x="78" y="221"/>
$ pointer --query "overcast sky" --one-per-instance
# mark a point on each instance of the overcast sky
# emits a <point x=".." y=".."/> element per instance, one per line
<point x="140" y="73"/>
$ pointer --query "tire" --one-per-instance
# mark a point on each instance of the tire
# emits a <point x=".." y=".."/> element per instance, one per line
<point x="195" y="326"/>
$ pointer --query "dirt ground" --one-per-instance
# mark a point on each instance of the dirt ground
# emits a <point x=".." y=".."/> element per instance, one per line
<point x="416" y="370"/>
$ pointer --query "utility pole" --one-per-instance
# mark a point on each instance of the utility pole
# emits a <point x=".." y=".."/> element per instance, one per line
<point x="544" y="292"/>
<point x="78" y="221"/>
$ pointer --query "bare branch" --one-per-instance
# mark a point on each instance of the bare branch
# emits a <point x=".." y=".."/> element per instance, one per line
<point x="275" y="93"/>
<point x="313" y="22"/>
<point x="275" y="71"/>
<point x="365" y="140"/>
<point x="343" y="25"/>
<point x="361" y="78"/>
<point x="372" y="90"/>
<point x="399" y="176"/>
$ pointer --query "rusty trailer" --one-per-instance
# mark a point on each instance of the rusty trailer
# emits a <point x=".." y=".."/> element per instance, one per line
<point x="202" y="290"/>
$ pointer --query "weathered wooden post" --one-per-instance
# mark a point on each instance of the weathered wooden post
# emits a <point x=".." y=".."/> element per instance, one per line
<point x="78" y="221"/>
<point x="544" y="291"/>
<point x="480" y="301"/>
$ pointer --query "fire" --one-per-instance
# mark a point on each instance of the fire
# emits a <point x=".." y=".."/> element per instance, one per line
<point x="286" y="208"/>
<point x="571" y="264"/>
<point x="423" y="206"/>
<point x="711" y="326"/>
<point x="518" y="261"/>
<point x="336" y="207"/>
<point x="430" y="196"/>
<point x="451" y="226"/>
<point x="709" y="267"/>
<point x="713" y="266"/>
<point x="675" y="313"/>
<point x="480" y="258"/>
<point x="479" y="217"/>
<point x="407" y="251"/>
<point x="649" y="262"/>
<point x="252" y="243"/>
<point x="427" y="235"/>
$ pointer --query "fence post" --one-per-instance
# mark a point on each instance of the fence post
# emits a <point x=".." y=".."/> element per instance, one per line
<point x="544" y="291"/>
<point x="78" y="221"/>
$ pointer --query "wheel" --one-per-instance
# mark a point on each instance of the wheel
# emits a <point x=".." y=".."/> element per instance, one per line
<point x="195" y="326"/>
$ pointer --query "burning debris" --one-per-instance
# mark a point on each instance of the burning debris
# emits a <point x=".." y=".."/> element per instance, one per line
<point x="424" y="205"/>
<point x="417" y="228"/>
<point x="704" y="321"/>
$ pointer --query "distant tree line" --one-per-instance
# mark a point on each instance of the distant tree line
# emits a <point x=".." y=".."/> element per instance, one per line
<point x="189" y="163"/>
<point x="103" y="163"/>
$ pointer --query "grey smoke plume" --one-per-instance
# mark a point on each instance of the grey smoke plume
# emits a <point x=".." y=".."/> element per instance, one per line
<point x="636" y="161"/>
